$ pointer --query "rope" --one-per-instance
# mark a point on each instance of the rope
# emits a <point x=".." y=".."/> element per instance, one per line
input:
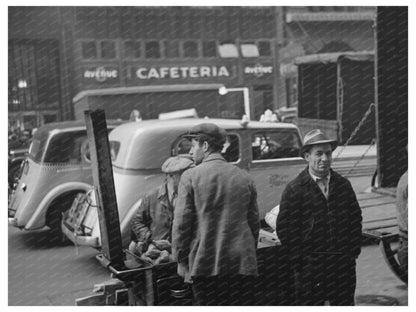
<point x="366" y="114"/>
<point x="373" y="141"/>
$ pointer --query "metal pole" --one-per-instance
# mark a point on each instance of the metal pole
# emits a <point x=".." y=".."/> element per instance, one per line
<point x="246" y="98"/>
<point x="246" y="102"/>
<point x="379" y="178"/>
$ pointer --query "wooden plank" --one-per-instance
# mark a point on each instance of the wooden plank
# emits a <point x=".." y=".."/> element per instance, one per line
<point x="362" y="196"/>
<point x="376" y="202"/>
<point x="102" y="173"/>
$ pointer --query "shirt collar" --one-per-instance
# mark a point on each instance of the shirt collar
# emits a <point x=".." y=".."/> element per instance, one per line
<point x="315" y="178"/>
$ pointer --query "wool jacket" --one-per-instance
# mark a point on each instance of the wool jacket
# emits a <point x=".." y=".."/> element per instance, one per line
<point x="308" y="222"/>
<point x="216" y="221"/>
<point x="155" y="214"/>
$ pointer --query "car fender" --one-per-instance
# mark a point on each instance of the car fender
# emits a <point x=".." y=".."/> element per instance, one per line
<point x="17" y="160"/>
<point x="38" y="218"/>
<point x="125" y="223"/>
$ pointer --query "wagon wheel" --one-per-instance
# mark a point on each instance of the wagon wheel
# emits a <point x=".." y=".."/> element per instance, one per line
<point x="389" y="254"/>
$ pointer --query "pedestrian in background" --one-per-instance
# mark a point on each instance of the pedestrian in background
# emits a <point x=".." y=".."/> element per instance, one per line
<point x="216" y="224"/>
<point x="135" y="115"/>
<point x="319" y="225"/>
<point x="402" y="221"/>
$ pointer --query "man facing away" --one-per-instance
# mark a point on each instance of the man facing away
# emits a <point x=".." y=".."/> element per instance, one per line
<point x="216" y="224"/>
<point x="319" y="225"/>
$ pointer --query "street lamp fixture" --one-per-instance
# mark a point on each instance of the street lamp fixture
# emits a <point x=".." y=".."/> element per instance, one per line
<point x="224" y="91"/>
<point x="22" y="83"/>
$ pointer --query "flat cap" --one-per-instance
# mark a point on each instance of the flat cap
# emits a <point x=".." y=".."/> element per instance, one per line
<point x="177" y="164"/>
<point x="208" y="129"/>
<point x="316" y="136"/>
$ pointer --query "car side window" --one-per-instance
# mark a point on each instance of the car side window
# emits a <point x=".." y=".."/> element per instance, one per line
<point x="230" y="151"/>
<point x="181" y="146"/>
<point x="275" y="145"/>
<point x="65" y="148"/>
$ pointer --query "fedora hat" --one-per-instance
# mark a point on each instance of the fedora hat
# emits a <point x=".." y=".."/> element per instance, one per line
<point x="314" y="137"/>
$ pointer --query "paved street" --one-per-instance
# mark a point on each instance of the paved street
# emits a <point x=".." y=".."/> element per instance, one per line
<point x="44" y="274"/>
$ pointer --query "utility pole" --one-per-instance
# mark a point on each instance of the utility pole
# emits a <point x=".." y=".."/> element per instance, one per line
<point x="279" y="90"/>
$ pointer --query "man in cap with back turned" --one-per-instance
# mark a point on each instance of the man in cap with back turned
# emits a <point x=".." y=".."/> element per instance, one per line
<point x="216" y="224"/>
<point x="319" y="225"/>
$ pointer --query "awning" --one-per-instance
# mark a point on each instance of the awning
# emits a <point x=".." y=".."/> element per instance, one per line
<point x="330" y="16"/>
<point x="325" y="58"/>
<point x="147" y="89"/>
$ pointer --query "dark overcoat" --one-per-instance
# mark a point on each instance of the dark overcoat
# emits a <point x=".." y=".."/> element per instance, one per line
<point x="308" y="222"/>
<point x="321" y="237"/>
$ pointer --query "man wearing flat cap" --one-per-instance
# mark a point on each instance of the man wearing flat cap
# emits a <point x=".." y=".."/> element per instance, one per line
<point x="216" y="224"/>
<point x="319" y="225"/>
<point x="153" y="219"/>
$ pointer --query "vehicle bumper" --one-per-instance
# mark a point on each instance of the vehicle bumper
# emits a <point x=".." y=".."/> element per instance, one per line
<point x="81" y="240"/>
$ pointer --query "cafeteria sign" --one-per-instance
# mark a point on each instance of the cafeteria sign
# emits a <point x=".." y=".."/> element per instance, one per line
<point x="101" y="73"/>
<point x="182" y="72"/>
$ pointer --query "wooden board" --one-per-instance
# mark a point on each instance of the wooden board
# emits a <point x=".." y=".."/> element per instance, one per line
<point x="378" y="211"/>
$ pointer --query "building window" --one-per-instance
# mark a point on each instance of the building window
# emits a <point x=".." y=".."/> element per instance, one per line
<point x="132" y="49"/>
<point x="209" y="48"/>
<point x="228" y="49"/>
<point x="264" y="48"/>
<point x="89" y="50"/>
<point x="152" y="49"/>
<point x="190" y="49"/>
<point x="249" y="50"/>
<point x="171" y="48"/>
<point x="108" y="49"/>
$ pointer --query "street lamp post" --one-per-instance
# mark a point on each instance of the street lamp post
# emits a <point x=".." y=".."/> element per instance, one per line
<point x="246" y="96"/>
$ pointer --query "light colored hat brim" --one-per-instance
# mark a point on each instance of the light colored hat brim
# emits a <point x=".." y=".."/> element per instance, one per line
<point x="334" y="145"/>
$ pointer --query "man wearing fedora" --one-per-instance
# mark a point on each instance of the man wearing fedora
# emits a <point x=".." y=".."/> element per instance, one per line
<point x="216" y="224"/>
<point x="319" y="225"/>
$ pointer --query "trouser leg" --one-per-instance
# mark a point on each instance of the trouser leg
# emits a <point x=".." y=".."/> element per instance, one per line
<point x="341" y="284"/>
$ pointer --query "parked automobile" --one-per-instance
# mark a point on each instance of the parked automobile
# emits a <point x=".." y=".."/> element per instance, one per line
<point x="15" y="160"/>
<point x="57" y="167"/>
<point x="269" y="151"/>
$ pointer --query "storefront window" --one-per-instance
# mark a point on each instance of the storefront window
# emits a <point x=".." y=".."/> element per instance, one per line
<point x="264" y="48"/>
<point x="190" y="49"/>
<point x="171" y="48"/>
<point x="108" y="49"/>
<point x="249" y="50"/>
<point x="89" y="50"/>
<point x="228" y="49"/>
<point x="132" y="49"/>
<point x="152" y="49"/>
<point x="209" y="48"/>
